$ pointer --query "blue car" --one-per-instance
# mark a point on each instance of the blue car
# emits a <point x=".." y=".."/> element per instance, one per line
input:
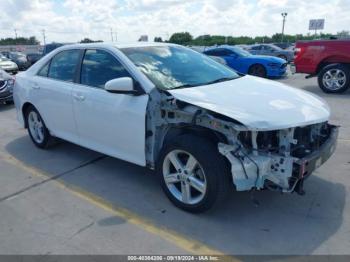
<point x="246" y="63"/>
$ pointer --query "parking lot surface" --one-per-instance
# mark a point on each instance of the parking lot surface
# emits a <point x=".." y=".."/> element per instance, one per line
<point x="70" y="200"/>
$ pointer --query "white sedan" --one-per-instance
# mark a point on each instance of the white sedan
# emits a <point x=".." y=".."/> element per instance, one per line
<point x="202" y="126"/>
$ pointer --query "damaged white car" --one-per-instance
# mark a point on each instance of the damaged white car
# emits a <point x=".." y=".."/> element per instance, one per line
<point x="202" y="126"/>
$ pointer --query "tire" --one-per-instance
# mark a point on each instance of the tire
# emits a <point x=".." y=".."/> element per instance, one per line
<point x="210" y="174"/>
<point x="9" y="102"/>
<point x="283" y="57"/>
<point x="37" y="130"/>
<point x="257" y="70"/>
<point x="334" y="78"/>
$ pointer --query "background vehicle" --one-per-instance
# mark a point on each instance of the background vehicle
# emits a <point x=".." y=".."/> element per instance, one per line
<point x="7" y="65"/>
<point x="158" y="105"/>
<point x="50" y="47"/>
<point x="327" y="59"/>
<point x="6" y="87"/>
<point x="33" y="58"/>
<point x="272" y="50"/>
<point x="284" y="45"/>
<point x="19" y="58"/>
<point x="246" y="63"/>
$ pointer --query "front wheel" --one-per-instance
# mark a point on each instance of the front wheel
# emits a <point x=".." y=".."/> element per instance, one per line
<point x="334" y="78"/>
<point x="37" y="130"/>
<point x="192" y="178"/>
<point x="257" y="70"/>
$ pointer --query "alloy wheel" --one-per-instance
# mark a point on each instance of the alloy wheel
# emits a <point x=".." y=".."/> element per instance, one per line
<point x="334" y="79"/>
<point x="184" y="177"/>
<point x="36" y="127"/>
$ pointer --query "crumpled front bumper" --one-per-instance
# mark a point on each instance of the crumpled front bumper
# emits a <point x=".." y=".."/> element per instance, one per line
<point x="276" y="172"/>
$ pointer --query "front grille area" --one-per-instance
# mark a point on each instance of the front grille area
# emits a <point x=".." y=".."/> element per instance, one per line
<point x="309" y="139"/>
<point x="2" y="84"/>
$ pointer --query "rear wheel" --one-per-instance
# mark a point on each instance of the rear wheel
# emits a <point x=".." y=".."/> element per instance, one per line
<point x="193" y="179"/>
<point x="257" y="70"/>
<point x="334" y="78"/>
<point x="37" y="130"/>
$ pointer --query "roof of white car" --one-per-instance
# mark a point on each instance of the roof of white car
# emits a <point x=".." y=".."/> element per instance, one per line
<point x="118" y="45"/>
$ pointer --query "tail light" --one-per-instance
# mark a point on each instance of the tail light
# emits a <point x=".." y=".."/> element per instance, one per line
<point x="297" y="51"/>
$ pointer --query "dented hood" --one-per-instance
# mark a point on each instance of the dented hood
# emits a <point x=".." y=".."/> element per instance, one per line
<point x="258" y="103"/>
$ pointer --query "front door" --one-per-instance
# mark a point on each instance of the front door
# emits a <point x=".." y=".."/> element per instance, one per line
<point x="113" y="124"/>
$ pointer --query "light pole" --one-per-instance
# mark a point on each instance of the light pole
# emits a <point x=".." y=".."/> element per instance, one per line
<point x="284" y="15"/>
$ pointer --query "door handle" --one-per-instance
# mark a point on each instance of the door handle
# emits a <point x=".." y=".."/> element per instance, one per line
<point x="79" y="97"/>
<point x="35" y="86"/>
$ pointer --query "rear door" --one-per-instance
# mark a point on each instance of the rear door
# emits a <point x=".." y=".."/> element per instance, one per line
<point x="51" y="91"/>
<point x="113" y="124"/>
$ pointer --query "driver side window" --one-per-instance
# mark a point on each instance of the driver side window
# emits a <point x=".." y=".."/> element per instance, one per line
<point x="99" y="67"/>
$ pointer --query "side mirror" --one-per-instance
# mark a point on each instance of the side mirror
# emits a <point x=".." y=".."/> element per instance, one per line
<point x="123" y="85"/>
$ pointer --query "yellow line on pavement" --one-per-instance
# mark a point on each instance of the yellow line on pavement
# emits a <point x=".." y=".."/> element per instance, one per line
<point x="181" y="241"/>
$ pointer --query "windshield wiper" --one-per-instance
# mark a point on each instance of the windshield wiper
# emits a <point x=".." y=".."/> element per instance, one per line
<point x="220" y="80"/>
<point x="184" y="86"/>
<point x="209" y="83"/>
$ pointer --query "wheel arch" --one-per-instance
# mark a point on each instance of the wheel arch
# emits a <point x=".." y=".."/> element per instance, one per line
<point x="203" y="132"/>
<point x="206" y="133"/>
<point x="332" y="60"/>
<point x="256" y="64"/>
<point x="25" y="107"/>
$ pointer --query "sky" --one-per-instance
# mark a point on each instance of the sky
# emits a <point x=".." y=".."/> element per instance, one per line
<point x="73" y="20"/>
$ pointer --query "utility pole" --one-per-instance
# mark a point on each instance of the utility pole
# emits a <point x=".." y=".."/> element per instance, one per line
<point x="15" y="36"/>
<point x="112" y="34"/>
<point x="44" y="36"/>
<point x="284" y="15"/>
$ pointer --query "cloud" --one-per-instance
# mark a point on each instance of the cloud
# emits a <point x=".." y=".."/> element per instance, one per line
<point x="72" y="20"/>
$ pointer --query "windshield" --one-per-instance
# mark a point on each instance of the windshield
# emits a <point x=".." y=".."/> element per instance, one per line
<point x="171" y="67"/>
<point x="241" y="52"/>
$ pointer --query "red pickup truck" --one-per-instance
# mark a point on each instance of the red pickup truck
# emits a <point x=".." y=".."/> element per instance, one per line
<point x="327" y="59"/>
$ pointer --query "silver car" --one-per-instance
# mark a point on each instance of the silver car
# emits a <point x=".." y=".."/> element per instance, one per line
<point x="272" y="50"/>
<point x="7" y="65"/>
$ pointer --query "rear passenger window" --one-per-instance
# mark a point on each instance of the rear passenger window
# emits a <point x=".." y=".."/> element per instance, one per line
<point x="99" y="67"/>
<point x="63" y="65"/>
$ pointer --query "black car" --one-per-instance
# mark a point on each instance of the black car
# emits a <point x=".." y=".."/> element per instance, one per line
<point x="33" y="58"/>
<point x="19" y="58"/>
<point x="6" y="87"/>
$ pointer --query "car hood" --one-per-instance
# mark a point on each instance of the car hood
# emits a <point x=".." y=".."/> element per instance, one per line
<point x="7" y="63"/>
<point x="257" y="103"/>
<point x="266" y="58"/>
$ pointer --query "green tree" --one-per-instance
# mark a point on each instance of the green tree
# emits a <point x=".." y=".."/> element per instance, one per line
<point x="19" y="41"/>
<point x="88" y="40"/>
<point x="182" y="38"/>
